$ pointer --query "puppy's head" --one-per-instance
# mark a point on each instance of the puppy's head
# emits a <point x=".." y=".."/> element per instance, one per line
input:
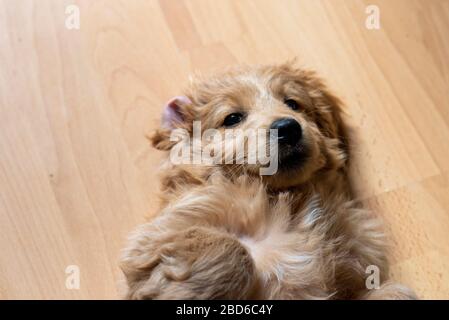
<point x="292" y="102"/>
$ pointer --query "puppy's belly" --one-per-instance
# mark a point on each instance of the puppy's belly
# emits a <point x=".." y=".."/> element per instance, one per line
<point x="290" y="254"/>
<point x="289" y="264"/>
<point x="278" y="256"/>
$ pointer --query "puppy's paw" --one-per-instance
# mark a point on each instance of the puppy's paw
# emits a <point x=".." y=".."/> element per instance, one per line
<point x="198" y="263"/>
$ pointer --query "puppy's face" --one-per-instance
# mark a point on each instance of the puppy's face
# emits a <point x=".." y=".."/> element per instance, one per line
<point x="310" y="134"/>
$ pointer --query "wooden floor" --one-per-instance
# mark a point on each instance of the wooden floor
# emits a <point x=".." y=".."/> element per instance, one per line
<point x="77" y="174"/>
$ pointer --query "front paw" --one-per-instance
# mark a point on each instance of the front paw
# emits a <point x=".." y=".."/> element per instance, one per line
<point x="198" y="263"/>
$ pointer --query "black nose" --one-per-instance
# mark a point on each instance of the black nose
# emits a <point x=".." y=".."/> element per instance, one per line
<point x="289" y="131"/>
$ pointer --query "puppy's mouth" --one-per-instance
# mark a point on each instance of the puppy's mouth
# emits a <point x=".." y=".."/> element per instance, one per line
<point x="292" y="157"/>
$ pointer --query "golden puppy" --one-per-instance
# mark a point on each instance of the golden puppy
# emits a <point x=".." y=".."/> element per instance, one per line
<point x="226" y="231"/>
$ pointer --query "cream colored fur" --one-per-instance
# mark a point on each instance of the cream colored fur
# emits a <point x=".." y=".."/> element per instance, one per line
<point x="224" y="232"/>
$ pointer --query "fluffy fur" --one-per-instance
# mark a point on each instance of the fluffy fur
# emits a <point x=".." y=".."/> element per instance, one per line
<point x="224" y="232"/>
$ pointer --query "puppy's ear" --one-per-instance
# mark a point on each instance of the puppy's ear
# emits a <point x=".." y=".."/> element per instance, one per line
<point x="330" y="115"/>
<point x="330" y="119"/>
<point x="177" y="113"/>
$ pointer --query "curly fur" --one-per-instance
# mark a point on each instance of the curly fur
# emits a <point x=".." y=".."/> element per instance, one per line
<point x="224" y="232"/>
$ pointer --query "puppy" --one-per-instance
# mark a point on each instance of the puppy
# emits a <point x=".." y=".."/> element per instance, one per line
<point x="226" y="231"/>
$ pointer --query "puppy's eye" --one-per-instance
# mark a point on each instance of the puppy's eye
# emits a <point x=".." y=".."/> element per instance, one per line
<point x="292" y="104"/>
<point x="232" y="119"/>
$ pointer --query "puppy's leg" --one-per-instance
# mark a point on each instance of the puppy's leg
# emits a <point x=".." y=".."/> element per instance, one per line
<point x="389" y="291"/>
<point x="198" y="263"/>
<point x="368" y="247"/>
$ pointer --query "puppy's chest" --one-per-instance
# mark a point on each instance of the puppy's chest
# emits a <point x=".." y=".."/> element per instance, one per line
<point x="280" y="220"/>
<point x="288" y="246"/>
<point x="256" y="213"/>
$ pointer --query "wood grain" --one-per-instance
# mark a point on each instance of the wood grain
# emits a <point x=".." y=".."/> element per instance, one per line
<point x="76" y="171"/>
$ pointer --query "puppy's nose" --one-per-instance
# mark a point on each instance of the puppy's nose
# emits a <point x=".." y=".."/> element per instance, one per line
<point x="289" y="131"/>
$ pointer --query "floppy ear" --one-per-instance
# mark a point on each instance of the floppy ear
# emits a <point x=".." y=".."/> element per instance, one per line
<point x="329" y="115"/>
<point x="331" y="120"/>
<point x="328" y="118"/>
<point x="177" y="113"/>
